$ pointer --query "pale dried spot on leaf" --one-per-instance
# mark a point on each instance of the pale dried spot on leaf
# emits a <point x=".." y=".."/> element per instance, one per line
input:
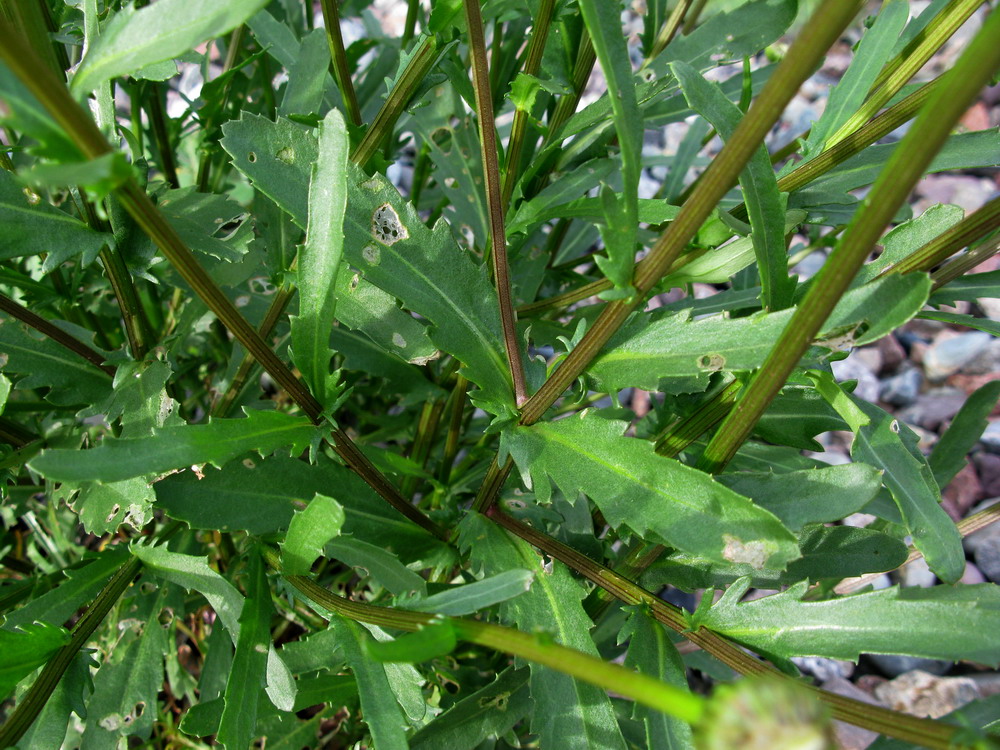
<point x="386" y="226"/>
<point x="894" y="426"/>
<point x="355" y="280"/>
<point x="3" y="359"/>
<point x="111" y="722"/>
<point x="287" y="155"/>
<point x="711" y="362"/>
<point x="371" y="254"/>
<point x="135" y="516"/>
<point x="33" y="198"/>
<point x="114" y="512"/>
<point x="251" y="157"/>
<point x="243" y="300"/>
<point x="424" y="360"/>
<point x="753" y="554"/>
<point x="248" y="462"/>
<point x="398" y="340"/>
<point x="371" y="184"/>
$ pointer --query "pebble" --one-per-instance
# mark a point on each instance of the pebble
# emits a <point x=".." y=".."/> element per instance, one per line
<point x="917" y="574"/>
<point x="934" y="407"/>
<point x="947" y="356"/>
<point x="962" y="492"/>
<point x="991" y="437"/>
<point x="902" y="389"/>
<point x="986" y="362"/>
<point x="853" y="368"/>
<point x="985" y="545"/>
<point x="920" y="693"/>
<point x="894" y="665"/>
<point x="988" y="468"/>
<point x="824" y="669"/>
<point x="972" y="575"/>
<point x="850" y="737"/>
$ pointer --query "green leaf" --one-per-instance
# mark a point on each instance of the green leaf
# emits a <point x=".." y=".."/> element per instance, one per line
<point x="199" y="219"/>
<point x="427" y="643"/>
<point x="82" y="584"/>
<point x="382" y="565"/>
<point x="907" y="621"/>
<point x="970" y="287"/>
<point x="828" y="552"/>
<point x="308" y="77"/>
<point x="310" y="529"/>
<point x="795" y="417"/>
<point x="277" y="158"/>
<point x="430" y="275"/>
<point x="178" y="447"/>
<point x="489" y="712"/>
<point x="651" y="652"/>
<point x="248" y="674"/>
<point x="644" y="353"/>
<point x="888" y="444"/>
<point x="382" y="712"/>
<point x="949" y="454"/>
<point x="566" y="713"/>
<point x="320" y="260"/>
<point x="765" y="205"/>
<point x="603" y="20"/>
<point x="658" y="498"/>
<point x="24" y="113"/>
<point x="260" y="497"/>
<point x="473" y="597"/>
<point x="909" y="236"/>
<point x="543" y="206"/>
<point x="991" y="327"/>
<point x="134" y="39"/>
<point x="871" y="55"/>
<point x="44" y="363"/>
<point x="809" y="496"/>
<point x="26" y="648"/>
<point x="99" y="176"/>
<point x="126" y="685"/>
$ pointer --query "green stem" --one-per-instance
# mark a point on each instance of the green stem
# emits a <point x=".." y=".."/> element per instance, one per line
<point x="949" y="242"/>
<point x="904" y="168"/>
<point x="932" y="734"/>
<point x="908" y="63"/>
<point x="338" y="59"/>
<point x="515" y="144"/>
<point x="668" y="31"/>
<point x="681" y="434"/>
<point x="55" y="333"/>
<point x="694" y="15"/>
<point x="385" y="120"/>
<point x="34" y="700"/>
<point x="203" y="180"/>
<point x="427" y="429"/>
<point x="158" y="123"/>
<point x="820" y="32"/>
<point x="53" y="95"/>
<point x="582" y="68"/>
<point x="494" y="200"/>
<point x="965" y="263"/>
<point x="606" y="675"/>
<point x="454" y="429"/>
<point x="410" y="25"/>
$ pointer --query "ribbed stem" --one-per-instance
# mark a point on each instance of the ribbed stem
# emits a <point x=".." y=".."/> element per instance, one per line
<point x="338" y="58"/>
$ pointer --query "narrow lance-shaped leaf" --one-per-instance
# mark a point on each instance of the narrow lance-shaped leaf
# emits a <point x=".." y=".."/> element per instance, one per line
<point x="566" y="713"/>
<point x="381" y="564"/>
<point x="320" y="260"/>
<point x="949" y="454"/>
<point x="248" y="674"/>
<point x="476" y="596"/>
<point x="658" y="498"/>
<point x="603" y="21"/>
<point x="765" y="204"/>
<point x="177" y="447"/>
<point x="311" y="528"/>
<point x="888" y="444"/>
<point x="907" y="621"/>
<point x="134" y="39"/>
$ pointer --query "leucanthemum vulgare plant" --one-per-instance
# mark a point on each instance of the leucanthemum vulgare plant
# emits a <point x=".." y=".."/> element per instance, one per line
<point x="321" y="382"/>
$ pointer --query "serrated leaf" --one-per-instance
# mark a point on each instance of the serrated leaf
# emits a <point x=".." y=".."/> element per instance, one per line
<point x="795" y="417"/>
<point x="849" y="94"/>
<point x="248" y="674"/>
<point x="986" y="325"/>
<point x="320" y="260"/>
<point x="425" y="644"/>
<point x="970" y="287"/>
<point x="603" y="20"/>
<point x="542" y="207"/>
<point x="651" y="652"/>
<point x="426" y="270"/>
<point x="310" y="529"/>
<point x="382" y="712"/>
<point x="906" y="238"/>
<point x="765" y="204"/>
<point x="383" y="566"/>
<point x="126" y="685"/>
<point x="44" y="363"/>
<point x="277" y="158"/>
<point x="645" y="352"/>
<point x="260" y="497"/>
<point x="199" y="219"/>
<point x="476" y="596"/>
<point x="949" y="454"/>
<point x="24" y="649"/>
<point x="888" y="444"/>
<point x="308" y="76"/>
<point x="33" y="226"/>
<point x="566" y="713"/>
<point x="809" y="496"/>
<point x="658" y="498"/>
<point x="178" y="447"/>
<point x="134" y="39"/>
<point x="907" y="621"/>
<point x="828" y="552"/>
<point x="488" y="712"/>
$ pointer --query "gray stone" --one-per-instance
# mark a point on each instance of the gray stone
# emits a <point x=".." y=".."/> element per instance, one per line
<point x="947" y="356"/>
<point x="920" y="693"/>
<point x="988" y="558"/>
<point x="853" y="368"/>
<point x="824" y="669"/>
<point x="893" y="665"/>
<point x="934" y="407"/>
<point x="986" y="362"/>
<point x="918" y="574"/>
<point x="902" y="389"/>
<point x="991" y="437"/>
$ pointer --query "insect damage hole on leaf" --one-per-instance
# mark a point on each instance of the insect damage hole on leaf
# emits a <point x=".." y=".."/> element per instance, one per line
<point x="711" y="362"/>
<point x="386" y="226"/>
<point x="752" y="553"/>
